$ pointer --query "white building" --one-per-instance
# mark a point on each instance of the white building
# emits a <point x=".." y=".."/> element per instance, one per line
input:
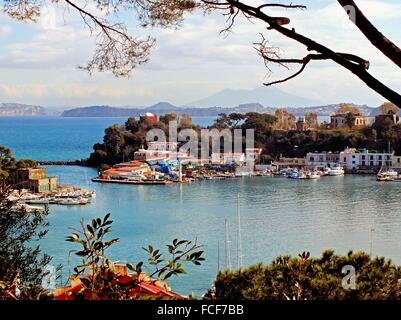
<point x="162" y="146"/>
<point x="322" y="159"/>
<point x="352" y="158"/>
<point x="253" y="154"/>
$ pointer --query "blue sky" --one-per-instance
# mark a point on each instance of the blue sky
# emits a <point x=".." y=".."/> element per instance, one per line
<point x="38" y="62"/>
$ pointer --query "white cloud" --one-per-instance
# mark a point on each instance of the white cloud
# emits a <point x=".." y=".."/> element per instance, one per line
<point x="5" y="30"/>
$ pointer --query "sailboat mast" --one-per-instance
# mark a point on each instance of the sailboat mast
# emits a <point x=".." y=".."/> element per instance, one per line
<point x="228" y="249"/>
<point x="218" y="256"/>
<point x="239" y="240"/>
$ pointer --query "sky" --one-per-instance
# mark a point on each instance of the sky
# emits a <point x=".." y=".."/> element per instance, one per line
<point x="38" y="61"/>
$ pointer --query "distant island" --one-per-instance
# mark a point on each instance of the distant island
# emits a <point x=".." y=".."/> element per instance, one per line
<point x="163" y="108"/>
<point x="15" y="109"/>
<point x="261" y="100"/>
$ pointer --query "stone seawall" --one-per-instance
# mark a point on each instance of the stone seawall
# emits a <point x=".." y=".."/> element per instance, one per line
<point x="63" y="163"/>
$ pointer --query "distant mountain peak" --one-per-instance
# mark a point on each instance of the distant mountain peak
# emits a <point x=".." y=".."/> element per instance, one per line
<point x="267" y="96"/>
<point x="163" y="106"/>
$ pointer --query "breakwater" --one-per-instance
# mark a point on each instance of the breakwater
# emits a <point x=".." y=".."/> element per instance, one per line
<point x="82" y="163"/>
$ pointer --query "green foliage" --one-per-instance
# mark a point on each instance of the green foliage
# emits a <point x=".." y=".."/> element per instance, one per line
<point x="350" y="119"/>
<point x="346" y="108"/>
<point x="306" y="278"/>
<point x="26" y="163"/>
<point x="98" y="274"/>
<point x="19" y="258"/>
<point x="389" y="108"/>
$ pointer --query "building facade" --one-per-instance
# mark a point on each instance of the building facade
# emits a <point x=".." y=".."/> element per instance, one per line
<point x="285" y="163"/>
<point x="353" y="159"/>
<point x="36" y="180"/>
<point x="322" y="159"/>
<point x="339" y="121"/>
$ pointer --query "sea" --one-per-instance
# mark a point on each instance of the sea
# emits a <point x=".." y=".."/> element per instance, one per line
<point x="279" y="216"/>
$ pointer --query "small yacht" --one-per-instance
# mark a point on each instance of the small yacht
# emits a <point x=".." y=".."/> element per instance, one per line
<point x="337" y="171"/>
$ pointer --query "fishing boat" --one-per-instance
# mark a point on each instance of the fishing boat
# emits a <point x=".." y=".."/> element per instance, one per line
<point x="337" y="171"/>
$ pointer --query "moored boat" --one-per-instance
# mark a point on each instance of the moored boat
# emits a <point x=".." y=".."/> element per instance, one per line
<point x="314" y="175"/>
<point x="337" y="171"/>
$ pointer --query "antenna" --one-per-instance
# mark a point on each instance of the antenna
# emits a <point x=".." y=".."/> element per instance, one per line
<point x="239" y="240"/>
<point x="228" y="248"/>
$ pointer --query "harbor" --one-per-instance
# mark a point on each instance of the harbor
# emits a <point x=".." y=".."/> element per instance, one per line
<point x="278" y="216"/>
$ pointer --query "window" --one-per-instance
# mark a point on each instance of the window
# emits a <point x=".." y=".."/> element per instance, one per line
<point x="398" y="160"/>
<point x="363" y="163"/>
<point x="380" y="158"/>
<point x="363" y="157"/>
<point x="371" y="163"/>
<point x="353" y="162"/>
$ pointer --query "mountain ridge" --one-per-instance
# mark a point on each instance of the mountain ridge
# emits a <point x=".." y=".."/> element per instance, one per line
<point x="160" y="109"/>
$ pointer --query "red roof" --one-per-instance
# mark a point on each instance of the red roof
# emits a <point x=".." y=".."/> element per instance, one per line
<point x="146" y="287"/>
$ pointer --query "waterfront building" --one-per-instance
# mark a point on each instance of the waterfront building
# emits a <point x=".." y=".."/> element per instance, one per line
<point x="253" y="154"/>
<point x="396" y="162"/>
<point x="284" y="163"/>
<point x="162" y="146"/>
<point x="339" y="121"/>
<point x="128" y="169"/>
<point x="364" y="159"/>
<point x="36" y="180"/>
<point x="322" y="159"/>
<point x="228" y="157"/>
<point x="155" y="155"/>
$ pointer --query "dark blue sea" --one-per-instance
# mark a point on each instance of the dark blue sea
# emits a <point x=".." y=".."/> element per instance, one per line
<point x="58" y="138"/>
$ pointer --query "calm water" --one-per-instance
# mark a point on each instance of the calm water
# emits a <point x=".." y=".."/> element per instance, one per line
<point x="279" y="215"/>
<point x="57" y="138"/>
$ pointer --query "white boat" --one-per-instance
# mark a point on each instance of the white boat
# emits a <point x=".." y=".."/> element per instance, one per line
<point x="30" y="196"/>
<point x="326" y="171"/>
<point x="73" y="202"/>
<point x="314" y="175"/>
<point x="337" y="171"/>
<point x="388" y="173"/>
<point x="297" y="175"/>
<point x="26" y="208"/>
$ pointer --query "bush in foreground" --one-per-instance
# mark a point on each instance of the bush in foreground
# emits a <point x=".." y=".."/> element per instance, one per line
<point x="305" y="278"/>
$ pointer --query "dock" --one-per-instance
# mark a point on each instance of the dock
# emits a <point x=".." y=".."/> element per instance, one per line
<point x="143" y="182"/>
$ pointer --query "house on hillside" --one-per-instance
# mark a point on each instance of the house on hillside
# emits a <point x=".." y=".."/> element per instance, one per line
<point x="339" y="120"/>
<point x="36" y="180"/>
